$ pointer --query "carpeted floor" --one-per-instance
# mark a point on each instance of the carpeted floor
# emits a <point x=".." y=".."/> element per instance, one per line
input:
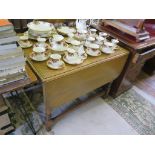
<point x="136" y="110"/>
<point x="130" y="113"/>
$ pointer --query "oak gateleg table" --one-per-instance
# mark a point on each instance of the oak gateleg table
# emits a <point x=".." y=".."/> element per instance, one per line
<point x="64" y="85"/>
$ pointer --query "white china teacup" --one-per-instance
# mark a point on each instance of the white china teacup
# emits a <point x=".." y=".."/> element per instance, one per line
<point x="90" y="40"/>
<point x="100" y="40"/>
<point x="103" y="34"/>
<point x="56" y="41"/>
<point x="70" y="54"/>
<point x="92" y="32"/>
<point x="115" y="41"/>
<point x="55" y="59"/>
<point x="41" y="42"/>
<point x="39" y="53"/>
<point x="107" y="49"/>
<point x="93" y="51"/>
<point x="57" y="38"/>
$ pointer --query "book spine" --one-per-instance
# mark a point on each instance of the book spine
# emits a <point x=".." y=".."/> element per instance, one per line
<point x="5" y="28"/>
<point x="7" y="35"/>
<point x="7" y="31"/>
<point x="10" y="71"/>
<point x="6" y="67"/>
<point x="10" y="51"/>
<point x="12" y="61"/>
<point x="13" y="79"/>
<point x="9" y="39"/>
<point x="8" y="46"/>
<point x="7" y="57"/>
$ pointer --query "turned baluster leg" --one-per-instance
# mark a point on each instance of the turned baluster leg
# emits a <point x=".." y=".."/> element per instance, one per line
<point x="48" y="120"/>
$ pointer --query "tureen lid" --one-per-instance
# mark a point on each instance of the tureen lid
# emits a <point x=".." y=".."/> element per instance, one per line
<point x="40" y="26"/>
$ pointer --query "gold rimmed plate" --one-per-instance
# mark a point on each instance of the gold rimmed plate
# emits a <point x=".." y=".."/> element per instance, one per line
<point x="27" y="44"/>
<point x="93" y="54"/>
<point x="32" y="56"/>
<point x="75" y="61"/>
<point x="61" y="66"/>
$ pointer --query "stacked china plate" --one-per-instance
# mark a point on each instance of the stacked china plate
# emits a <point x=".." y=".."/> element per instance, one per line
<point x="39" y="29"/>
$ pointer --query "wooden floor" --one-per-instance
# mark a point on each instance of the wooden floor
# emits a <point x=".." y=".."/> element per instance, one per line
<point x="146" y="83"/>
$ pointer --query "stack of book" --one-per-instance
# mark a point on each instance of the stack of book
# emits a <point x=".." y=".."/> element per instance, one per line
<point x="12" y="61"/>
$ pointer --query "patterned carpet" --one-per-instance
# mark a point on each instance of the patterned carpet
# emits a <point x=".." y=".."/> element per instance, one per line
<point x="131" y="106"/>
<point x="136" y="110"/>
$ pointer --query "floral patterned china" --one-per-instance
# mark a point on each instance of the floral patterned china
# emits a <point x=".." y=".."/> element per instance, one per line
<point x="109" y="46"/>
<point x="41" y="43"/>
<point x="40" y="28"/>
<point x="65" y="30"/>
<point x="55" y="62"/>
<point x="24" y="42"/>
<point x="81" y="52"/>
<point x="106" y="50"/>
<point x="39" y="54"/>
<point x="99" y="40"/>
<point x="81" y="25"/>
<point x="92" y="45"/>
<point x="73" y="41"/>
<point x="71" y="57"/>
<point x="93" y="52"/>
<point x="58" y="45"/>
<point x="92" y="32"/>
<point x="80" y="36"/>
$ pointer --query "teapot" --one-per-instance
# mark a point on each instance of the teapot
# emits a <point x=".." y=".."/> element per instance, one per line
<point x="81" y="25"/>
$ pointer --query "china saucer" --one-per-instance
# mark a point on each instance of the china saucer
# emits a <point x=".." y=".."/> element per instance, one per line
<point x="106" y="50"/>
<point x="75" y="61"/>
<point x="50" y="65"/>
<point x="94" y="54"/>
<point x="25" y="44"/>
<point x="31" y="55"/>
